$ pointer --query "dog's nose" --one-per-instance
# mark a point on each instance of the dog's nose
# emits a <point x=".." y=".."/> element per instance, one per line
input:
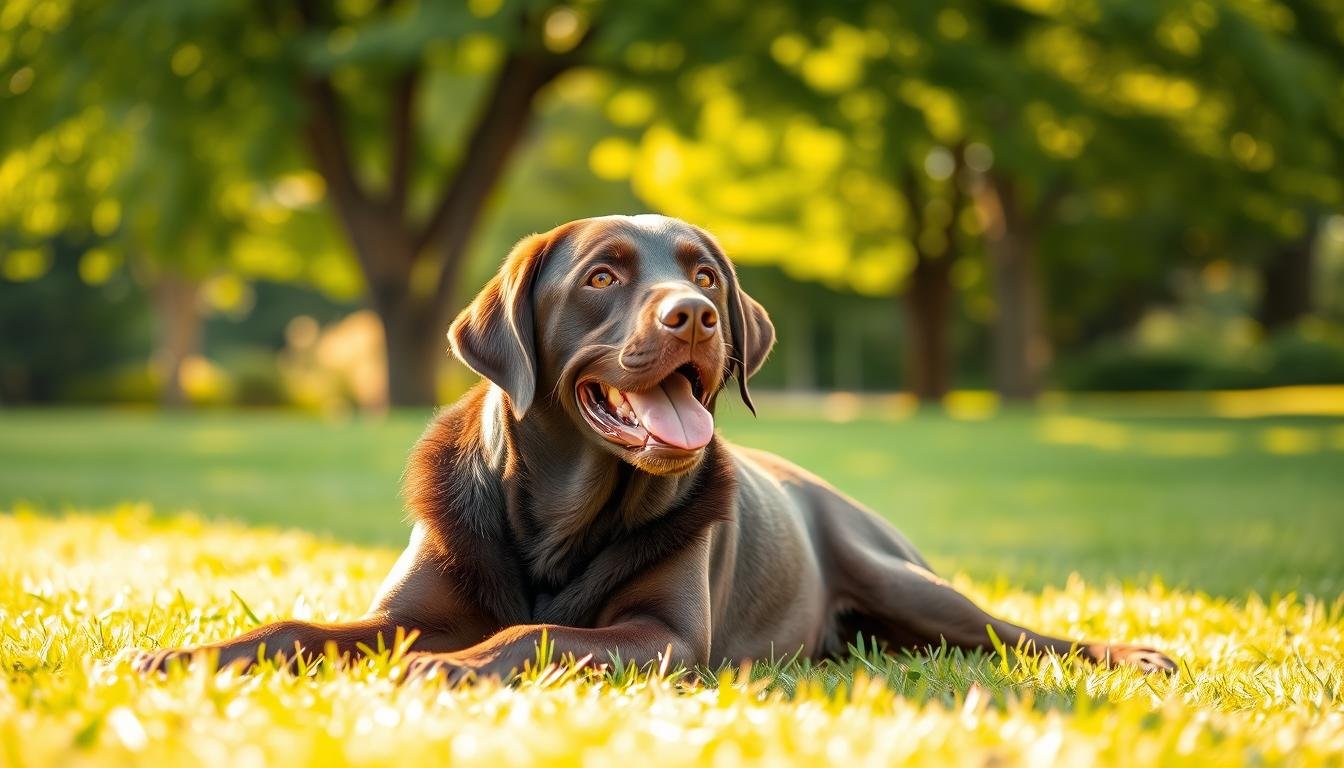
<point x="688" y="317"/>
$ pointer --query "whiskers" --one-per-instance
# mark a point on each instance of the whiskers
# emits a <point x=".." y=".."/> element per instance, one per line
<point x="728" y="359"/>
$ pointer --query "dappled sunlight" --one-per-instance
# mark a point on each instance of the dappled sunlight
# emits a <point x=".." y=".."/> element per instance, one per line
<point x="971" y="405"/>
<point x="1259" y="678"/>
<point x="1077" y="430"/>
<point x="216" y="441"/>
<point x="1279" y="401"/>
<point x="1188" y="442"/>
<point x="1128" y="424"/>
<point x="204" y="381"/>
<point x="331" y="368"/>
<point x="1290" y="441"/>
<point x="838" y="407"/>
<point x="1317" y="400"/>
<point x="1114" y="436"/>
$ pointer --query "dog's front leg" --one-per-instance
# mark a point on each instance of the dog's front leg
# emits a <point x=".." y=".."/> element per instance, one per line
<point x="285" y="641"/>
<point x="662" y="613"/>
<point x="415" y="597"/>
<point x="642" y="640"/>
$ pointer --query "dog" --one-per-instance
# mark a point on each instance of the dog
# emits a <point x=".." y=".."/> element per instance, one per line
<point x="580" y="492"/>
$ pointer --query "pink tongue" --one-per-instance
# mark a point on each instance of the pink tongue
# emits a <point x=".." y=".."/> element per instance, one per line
<point x="671" y="413"/>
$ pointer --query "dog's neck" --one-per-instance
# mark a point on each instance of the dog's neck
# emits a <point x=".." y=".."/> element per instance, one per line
<point x="567" y="497"/>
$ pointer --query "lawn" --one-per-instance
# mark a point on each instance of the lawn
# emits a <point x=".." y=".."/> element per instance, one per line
<point x="1165" y="521"/>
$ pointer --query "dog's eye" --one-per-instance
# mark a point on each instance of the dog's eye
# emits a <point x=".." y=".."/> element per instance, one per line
<point x="601" y="279"/>
<point x="704" y="277"/>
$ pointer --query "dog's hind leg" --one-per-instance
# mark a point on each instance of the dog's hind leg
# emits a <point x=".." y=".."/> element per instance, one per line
<point x="893" y="593"/>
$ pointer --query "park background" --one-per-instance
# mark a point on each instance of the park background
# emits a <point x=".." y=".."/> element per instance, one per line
<point x="1059" y="289"/>
<point x="233" y="203"/>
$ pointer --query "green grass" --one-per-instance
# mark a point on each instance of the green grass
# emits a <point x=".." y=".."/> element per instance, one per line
<point x="1215" y="539"/>
<point x="1027" y="497"/>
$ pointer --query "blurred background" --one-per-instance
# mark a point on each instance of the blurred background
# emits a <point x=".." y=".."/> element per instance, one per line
<point x="965" y="204"/>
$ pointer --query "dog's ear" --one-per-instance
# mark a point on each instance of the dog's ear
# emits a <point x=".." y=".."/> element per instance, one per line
<point x="494" y="336"/>
<point x="748" y="324"/>
<point x="753" y="336"/>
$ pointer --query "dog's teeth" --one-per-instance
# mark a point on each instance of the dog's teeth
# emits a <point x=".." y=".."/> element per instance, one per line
<point x="627" y="414"/>
<point x="614" y="395"/>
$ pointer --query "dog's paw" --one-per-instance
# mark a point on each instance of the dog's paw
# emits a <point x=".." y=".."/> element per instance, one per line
<point x="1147" y="659"/>
<point x="157" y="662"/>
<point x="443" y="667"/>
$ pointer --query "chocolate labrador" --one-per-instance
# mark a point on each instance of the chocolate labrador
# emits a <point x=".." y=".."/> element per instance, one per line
<point x="580" y="491"/>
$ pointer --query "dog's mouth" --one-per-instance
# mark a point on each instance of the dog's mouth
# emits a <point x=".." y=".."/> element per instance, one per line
<point x="671" y="414"/>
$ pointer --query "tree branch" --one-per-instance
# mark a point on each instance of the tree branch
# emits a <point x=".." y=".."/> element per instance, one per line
<point x="500" y="125"/>
<point x="325" y="136"/>
<point x="401" y="141"/>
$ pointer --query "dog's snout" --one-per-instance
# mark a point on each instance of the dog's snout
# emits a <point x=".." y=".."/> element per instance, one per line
<point x="688" y="317"/>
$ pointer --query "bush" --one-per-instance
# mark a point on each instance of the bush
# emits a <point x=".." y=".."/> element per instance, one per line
<point x="1306" y="358"/>
<point x="57" y="327"/>
<point x="1300" y="356"/>
<point x="1117" y="367"/>
<point x="255" y="376"/>
<point x="134" y="383"/>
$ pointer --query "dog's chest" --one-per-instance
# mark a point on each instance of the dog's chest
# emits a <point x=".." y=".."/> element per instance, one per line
<point x="557" y="537"/>
<point x="554" y="561"/>
<point x="550" y="596"/>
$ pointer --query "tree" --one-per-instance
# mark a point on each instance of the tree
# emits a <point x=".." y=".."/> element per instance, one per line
<point x="375" y="98"/>
<point x="149" y="167"/>
<point x="962" y="151"/>
<point x="1129" y="116"/>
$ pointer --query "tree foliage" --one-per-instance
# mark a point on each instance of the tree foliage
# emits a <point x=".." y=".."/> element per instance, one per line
<point x="1099" y="143"/>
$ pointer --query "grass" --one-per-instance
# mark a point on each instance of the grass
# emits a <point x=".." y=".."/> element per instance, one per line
<point x="1126" y="492"/>
<point x="1214" y="538"/>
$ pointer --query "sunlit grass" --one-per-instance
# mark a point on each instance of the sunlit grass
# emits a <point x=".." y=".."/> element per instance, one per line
<point x="1261" y="682"/>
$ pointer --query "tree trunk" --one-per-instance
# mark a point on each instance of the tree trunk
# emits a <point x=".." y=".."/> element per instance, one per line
<point x="179" y="333"/>
<point x="415" y="317"/>
<point x="1286" y="278"/>
<point x="415" y="334"/>
<point x="927" y="305"/>
<point x="928" y="297"/>
<point x="1021" y="348"/>
<point x="415" y="348"/>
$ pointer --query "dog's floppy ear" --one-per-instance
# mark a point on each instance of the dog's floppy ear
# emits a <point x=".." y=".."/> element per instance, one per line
<point x="494" y="336"/>
<point x="749" y="325"/>
<point x="753" y="336"/>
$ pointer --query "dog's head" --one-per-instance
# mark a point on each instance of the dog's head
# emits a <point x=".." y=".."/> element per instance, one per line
<point x="630" y="324"/>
